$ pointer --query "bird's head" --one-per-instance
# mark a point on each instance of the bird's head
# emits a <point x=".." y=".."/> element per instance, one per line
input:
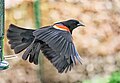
<point x="72" y="24"/>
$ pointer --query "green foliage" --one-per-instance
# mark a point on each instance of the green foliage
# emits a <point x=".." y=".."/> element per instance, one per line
<point x="115" y="77"/>
<point x="97" y="80"/>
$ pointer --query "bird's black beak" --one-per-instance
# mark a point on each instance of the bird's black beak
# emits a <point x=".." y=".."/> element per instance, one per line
<point x="80" y="24"/>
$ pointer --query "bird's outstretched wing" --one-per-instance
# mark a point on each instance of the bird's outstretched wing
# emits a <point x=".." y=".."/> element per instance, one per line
<point x="60" y="42"/>
<point x="59" y="62"/>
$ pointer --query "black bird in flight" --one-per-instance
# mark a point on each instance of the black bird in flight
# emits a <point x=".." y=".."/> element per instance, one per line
<point x="54" y="41"/>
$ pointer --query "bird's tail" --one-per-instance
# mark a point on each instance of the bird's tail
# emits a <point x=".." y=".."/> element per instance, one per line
<point x="20" y="39"/>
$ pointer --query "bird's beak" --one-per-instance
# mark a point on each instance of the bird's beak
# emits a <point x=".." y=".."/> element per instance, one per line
<point x="80" y="24"/>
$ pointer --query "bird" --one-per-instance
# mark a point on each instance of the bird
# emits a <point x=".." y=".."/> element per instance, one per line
<point x="54" y="41"/>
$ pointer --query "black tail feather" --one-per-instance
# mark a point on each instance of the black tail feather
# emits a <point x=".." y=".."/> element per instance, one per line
<point x="18" y="38"/>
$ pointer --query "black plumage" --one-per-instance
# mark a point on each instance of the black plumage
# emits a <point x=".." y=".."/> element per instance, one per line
<point x="55" y="44"/>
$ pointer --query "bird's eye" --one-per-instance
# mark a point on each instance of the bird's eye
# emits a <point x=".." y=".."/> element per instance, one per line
<point x="75" y="22"/>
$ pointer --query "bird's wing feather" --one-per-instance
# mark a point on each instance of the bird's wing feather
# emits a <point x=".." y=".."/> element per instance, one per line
<point x="61" y="43"/>
<point x="59" y="62"/>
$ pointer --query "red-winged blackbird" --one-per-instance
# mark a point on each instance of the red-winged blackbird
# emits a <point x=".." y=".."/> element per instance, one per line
<point x="54" y="41"/>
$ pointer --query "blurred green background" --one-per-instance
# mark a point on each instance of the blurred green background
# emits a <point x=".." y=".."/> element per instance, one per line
<point x="98" y="43"/>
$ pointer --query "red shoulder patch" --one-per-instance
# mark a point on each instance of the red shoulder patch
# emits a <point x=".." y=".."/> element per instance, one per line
<point x="61" y="27"/>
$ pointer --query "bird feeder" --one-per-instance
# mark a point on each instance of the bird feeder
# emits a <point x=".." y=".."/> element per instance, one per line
<point x="3" y="64"/>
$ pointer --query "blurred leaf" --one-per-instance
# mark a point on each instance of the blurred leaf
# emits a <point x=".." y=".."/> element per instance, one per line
<point x="98" y="80"/>
<point x="115" y="77"/>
